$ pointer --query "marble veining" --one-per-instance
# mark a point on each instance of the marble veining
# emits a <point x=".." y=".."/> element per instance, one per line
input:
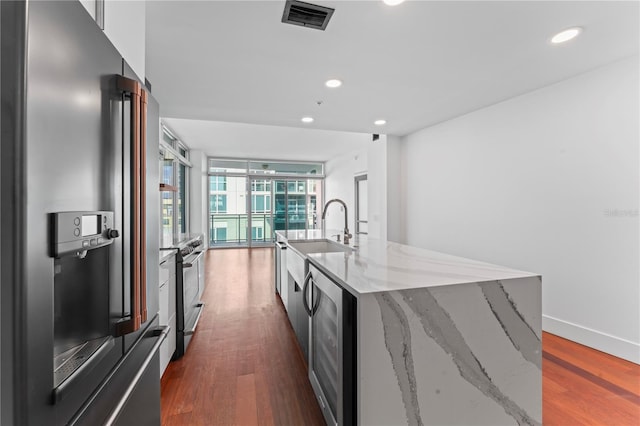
<point x="441" y="339"/>
<point x="378" y="266"/>
<point x="397" y="337"/>
<point x="438" y="325"/>
<point x="521" y="334"/>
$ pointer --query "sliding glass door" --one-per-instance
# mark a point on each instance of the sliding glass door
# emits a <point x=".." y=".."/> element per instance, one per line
<point x="245" y="209"/>
<point x="282" y="204"/>
<point x="295" y="204"/>
<point x="228" y="210"/>
<point x="261" y="211"/>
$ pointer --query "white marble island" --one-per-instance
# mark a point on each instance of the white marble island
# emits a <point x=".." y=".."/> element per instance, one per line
<point x="440" y="339"/>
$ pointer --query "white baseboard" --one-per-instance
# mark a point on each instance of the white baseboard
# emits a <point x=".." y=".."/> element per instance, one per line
<point x="613" y="345"/>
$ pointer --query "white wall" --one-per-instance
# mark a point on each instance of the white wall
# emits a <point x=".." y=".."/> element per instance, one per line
<point x="395" y="195"/>
<point x="534" y="183"/>
<point x="339" y="183"/>
<point x="383" y="206"/>
<point x="377" y="177"/>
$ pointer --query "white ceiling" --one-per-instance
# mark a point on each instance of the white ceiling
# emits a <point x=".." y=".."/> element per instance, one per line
<point x="415" y="64"/>
<point x="260" y="142"/>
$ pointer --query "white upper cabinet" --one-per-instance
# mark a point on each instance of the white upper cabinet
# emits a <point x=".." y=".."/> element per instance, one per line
<point x="124" y="25"/>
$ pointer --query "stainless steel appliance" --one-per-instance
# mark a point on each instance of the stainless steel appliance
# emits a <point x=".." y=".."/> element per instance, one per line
<point x="280" y="269"/>
<point x="332" y="351"/>
<point x="79" y="271"/>
<point x="190" y="283"/>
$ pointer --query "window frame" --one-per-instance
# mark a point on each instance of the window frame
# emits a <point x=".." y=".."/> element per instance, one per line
<point x="302" y="187"/>
<point x="172" y="145"/>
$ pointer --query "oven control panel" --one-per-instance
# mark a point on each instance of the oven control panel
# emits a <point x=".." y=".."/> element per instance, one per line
<point x="77" y="232"/>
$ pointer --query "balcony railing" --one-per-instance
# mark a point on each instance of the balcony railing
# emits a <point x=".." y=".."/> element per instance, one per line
<point x="233" y="229"/>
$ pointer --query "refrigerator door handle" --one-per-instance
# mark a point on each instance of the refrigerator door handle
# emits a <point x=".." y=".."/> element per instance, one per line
<point x="162" y="333"/>
<point x="192" y="330"/>
<point x="143" y="205"/>
<point x="138" y="109"/>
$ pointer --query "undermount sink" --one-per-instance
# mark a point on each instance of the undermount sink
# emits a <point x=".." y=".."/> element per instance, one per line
<point x="319" y="246"/>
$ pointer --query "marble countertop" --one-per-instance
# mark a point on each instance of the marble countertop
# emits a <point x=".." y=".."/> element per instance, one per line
<point x="381" y="266"/>
<point x="304" y="235"/>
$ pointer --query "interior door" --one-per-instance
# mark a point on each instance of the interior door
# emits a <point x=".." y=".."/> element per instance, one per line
<point x="361" y="192"/>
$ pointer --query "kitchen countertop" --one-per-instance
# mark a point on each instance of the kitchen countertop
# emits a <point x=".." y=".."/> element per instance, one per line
<point x="304" y="235"/>
<point x="166" y="254"/>
<point x="440" y="339"/>
<point x="382" y="266"/>
<point x="177" y="241"/>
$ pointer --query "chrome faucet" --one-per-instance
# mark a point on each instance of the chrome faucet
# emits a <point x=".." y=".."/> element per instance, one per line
<point x="347" y="235"/>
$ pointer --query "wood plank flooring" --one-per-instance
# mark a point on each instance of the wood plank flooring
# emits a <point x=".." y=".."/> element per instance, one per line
<point x="243" y="366"/>
<point x="582" y="386"/>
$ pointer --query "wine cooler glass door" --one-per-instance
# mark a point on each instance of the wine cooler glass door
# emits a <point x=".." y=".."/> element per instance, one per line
<point x="326" y="354"/>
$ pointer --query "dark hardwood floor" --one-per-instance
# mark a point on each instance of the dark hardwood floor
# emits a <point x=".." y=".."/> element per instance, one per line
<point x="243" y="366"/>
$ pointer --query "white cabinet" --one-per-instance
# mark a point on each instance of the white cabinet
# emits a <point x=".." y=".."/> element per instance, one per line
<point x="124" y="26"/>
<point x="167" y="314"/>
<point x="90" y="5"/>
<point x="296" y="265"/>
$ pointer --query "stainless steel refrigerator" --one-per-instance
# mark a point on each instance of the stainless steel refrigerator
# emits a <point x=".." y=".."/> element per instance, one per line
<point x="79" y="224"/>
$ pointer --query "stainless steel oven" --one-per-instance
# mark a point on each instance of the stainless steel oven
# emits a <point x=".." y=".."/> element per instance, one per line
<point x="190" y="283"/>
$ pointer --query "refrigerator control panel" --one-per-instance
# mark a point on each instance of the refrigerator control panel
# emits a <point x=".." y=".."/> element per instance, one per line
<point x="77" y="232"/>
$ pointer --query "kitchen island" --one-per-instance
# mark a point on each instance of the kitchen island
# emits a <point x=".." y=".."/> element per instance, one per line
<point x="439" y="339"/>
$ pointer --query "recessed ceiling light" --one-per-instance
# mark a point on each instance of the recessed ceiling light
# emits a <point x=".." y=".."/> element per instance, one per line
<point x="393" y="2"/>
<point x="380" y="122"/>
<point x="333" y="83"/>
<point x="566" y="35"/>
<point x="307" y="119"/>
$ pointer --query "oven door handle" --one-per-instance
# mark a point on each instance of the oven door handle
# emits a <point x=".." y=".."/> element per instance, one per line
<point x="193" y="261"/>
<point x="195" y="324"/>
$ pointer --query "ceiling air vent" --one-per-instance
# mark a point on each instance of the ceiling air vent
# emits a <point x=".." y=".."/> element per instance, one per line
<point x="306" y="14"/>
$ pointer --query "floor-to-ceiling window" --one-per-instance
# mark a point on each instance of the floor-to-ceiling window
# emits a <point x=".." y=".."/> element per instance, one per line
<point x="174" y="175"/>
<point x="249" y="200"/>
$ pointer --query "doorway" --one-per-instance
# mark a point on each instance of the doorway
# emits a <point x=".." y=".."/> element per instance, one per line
<point x="361" y="195"/>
